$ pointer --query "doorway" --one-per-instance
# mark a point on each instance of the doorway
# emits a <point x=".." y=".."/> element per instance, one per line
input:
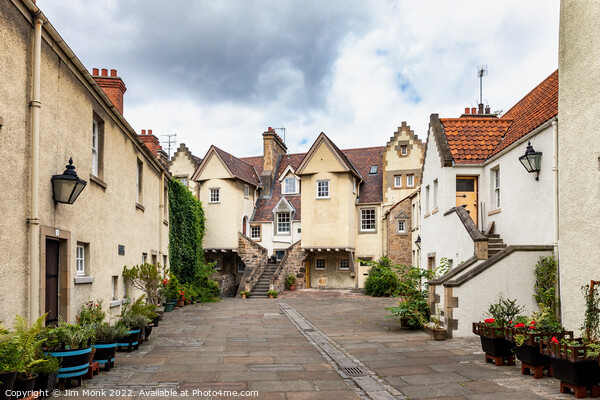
<point x="466" y="195"/>
<point x="244" y="224"/>
<point x="52" y="279"/>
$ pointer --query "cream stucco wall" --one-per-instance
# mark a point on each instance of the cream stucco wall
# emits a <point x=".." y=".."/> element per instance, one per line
<point x="370" y="244"/>
<point x="579" y="154"/>
<point x="335" y="277"/>
<point x="102" y="217"/>
<point x="180" y="166"/>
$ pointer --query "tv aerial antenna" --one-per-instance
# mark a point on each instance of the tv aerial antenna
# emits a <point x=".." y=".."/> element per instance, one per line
<point x="171" y="140"/>
<point x="283" y="130"/>
<point x="482" y="70"/>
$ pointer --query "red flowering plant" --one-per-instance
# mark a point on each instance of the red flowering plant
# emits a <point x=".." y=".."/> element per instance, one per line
<point x="91" y="313"/>
<point x="541" y="325"/>
<point x="502" y="313"/>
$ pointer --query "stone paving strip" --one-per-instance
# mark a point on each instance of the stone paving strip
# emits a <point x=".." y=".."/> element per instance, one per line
<point x="366" y="383"/>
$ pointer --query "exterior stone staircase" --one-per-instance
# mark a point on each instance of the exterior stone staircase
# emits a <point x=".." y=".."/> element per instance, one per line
<point x="261" y="287"/>
<point x="495" y="244"/>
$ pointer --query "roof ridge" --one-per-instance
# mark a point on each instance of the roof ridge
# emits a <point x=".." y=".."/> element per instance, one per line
<point x="530" y="92"/>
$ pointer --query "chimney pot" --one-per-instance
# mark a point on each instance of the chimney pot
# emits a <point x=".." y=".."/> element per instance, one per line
<point x="487" y="109"/>
<point x="149" y="131"/>
<point x="473" y="110"/>
<point x="143" y="131"/>
<point x="104" y="72"/>
<point x="270" y="129"/>
<point x="95" y="72"/>
<point x="467" y="110"/>
<point x="480" y="108"/>
<point x="113" y="72"/>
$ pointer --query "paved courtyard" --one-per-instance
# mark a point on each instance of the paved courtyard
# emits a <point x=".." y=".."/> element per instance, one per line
<point x="305" y="345"/>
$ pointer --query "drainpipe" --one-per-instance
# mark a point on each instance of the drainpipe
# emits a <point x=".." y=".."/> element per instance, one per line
<point x="161" y="214"/>
<point x="556" y="231"/>
<point x="33" y="220"/>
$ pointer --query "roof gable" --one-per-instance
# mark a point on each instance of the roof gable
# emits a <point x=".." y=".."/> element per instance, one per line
<point x="322" y="144"/>
<point x="234" y="166"/>
<point x="471" y="140"/>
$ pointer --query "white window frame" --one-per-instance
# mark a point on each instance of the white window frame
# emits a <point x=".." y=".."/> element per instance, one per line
<point x="214" y="195"/>
<point x="323" y="191"/>
<point x="410" y="181"/>
<point x="285" y="189"/>
<point x="435" y="194"/>
<point x="95" y="138"/>
<point x="427" y="199"/>
<point x="370" y="210"/>
<point x="139" y="177"/>
<point x="353" y="185"/>
<point x="114" y="287"/>
<point x="401" y="224"/>
<point x="259" y="228"/>
<point x="345" y="261"/>
<point x="144" y="258"/>
<point x="283" y="222"/>
<point x="497" y="187"/>
<point x="246" y="190"/>
<point x="80" y="259"/>
<point x="317" y="268"/>
<point x="403" y="150"/>
<point x="397" y="181"/>
<point x="183" y="180"/>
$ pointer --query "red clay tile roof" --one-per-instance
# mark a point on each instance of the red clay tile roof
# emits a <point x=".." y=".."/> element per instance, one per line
<point x="471" y="140"/>
<point x="257" y="162"/>
<point x="265" y="206"/>
<point x="537" y="107"/>
<point x="371" y="189"/>
<point x="239" y="168"/>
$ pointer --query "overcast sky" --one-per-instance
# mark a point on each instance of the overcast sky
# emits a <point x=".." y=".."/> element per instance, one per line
<point x="221" y="72"/>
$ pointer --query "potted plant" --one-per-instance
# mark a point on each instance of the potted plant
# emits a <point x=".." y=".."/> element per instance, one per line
<point x="575" y="361"/>
<point x="91" y="313"/>
<point x="245" y="294"/>
<point x="413" y="309"/>
<point x="149" y="278"/>
<point x="438" y="332"/>
<point x="46" y="374"/>
<point x="272" y="294"/>
<point x="291" y="282"/>
<point x="134" y="323"/>
<point x="491" y="331"/>
<point x="8" y="370"/>
<point x="181" y="298"/>
<point x="106" y="337"/>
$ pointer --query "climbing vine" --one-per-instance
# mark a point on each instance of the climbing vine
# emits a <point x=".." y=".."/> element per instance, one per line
<point x="186" y="232"/>
<point x="546" y="278"/>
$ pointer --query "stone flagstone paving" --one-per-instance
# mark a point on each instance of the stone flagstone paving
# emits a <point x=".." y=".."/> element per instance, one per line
<point x="252" y="345"/>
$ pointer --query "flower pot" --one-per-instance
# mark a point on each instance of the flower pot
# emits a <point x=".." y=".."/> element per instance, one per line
<point x="271" y="296"/>
<point x="180" y="303"/>
<point x="243" y="296"/>
<point x="7" y="380"/>
<point x="147" y="331"/>
<point x="497" y="346"/>
<point x="404" y="325"/>
<point x="578" y="373"/>
<point x="23" y="387"/>
<point x="45" y="383"/>
<point x="188" y="302"/>
<point x="155" y="321"/>
<point x="169" y="306"/>
<point x="438" y="334"/>
<point x="73" y="363"/>
<point x="105" y="354"/>
<point x="292" y="287"/>
<point x="129" y="342"/>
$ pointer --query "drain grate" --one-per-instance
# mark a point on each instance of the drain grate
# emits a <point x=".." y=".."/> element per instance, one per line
<point x="309" y="330"/>
<point x="353" y="371"/>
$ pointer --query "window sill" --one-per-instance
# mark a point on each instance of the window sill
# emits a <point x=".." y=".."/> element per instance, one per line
<point x="323" y="198"/>
<point x="493" y="212"/>
<point x="401" y="234"/>
<point x="81" y="279"/>
<point x="426" y="215"/>
<point x="366" y="232"/>
<point x="115" y="303"/>
<point x="140" y="207"/>
<point x="98" y="181"/>
<point x="397" y="187"/>
<point x="435" y="210"/>
<point x="214" y="202"/>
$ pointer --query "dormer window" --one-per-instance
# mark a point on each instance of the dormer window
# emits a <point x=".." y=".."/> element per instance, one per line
<point x="373" y="170"/>
<point x="289" y="186"/>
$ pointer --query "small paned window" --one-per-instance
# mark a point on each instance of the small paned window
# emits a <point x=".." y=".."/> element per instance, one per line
<point x="320" y="264"/>
<point x="404" y="150"/>
<point x="289" y="185"/>
<point x="410" y="180"/>
<point x="255" y="232"/>
<point x="367" y="220"/>
<point x="283" y="223"/>
<point x="373" y="170"/>
<point x="215" y="195"/>
<point x="322" y="189"/>
<point x="344" y="264"/>
<point x="398" y="181"/>
<point x="246" y="191"/>
<point x="80" y="259"/>
<point x="401" y="226"/>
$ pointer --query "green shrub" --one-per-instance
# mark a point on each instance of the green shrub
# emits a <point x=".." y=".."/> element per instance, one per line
<point x="91" y="313"/>
<point x="382" y="279"/>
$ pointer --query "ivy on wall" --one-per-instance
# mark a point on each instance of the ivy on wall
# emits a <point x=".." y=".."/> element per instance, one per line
<point x="546" y="279"/>
<point x="186" y="232"/>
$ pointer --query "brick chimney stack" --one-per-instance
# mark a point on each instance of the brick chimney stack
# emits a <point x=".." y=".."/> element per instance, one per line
<point x="112" y="85"/>
<point x="151" y="142"/>
<point x="273" y="149"/>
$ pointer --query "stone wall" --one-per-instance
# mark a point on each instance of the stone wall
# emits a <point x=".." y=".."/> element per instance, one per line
<point x="227" y="285"/>
<point x="399" y="244"/>
<point x="254" y="257"/>
<point x="291" y="264"/>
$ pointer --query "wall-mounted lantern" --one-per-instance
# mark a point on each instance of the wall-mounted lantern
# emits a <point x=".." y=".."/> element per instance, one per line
<point x="67" y="187"/>
<point x="418" y="242"/>
<point x="532" y="160"/>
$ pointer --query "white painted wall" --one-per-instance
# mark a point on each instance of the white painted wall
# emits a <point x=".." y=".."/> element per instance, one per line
<point x="513" y="277"/>
<point x="273" y="242"/>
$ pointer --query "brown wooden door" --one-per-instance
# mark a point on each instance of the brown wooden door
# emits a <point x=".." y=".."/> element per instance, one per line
<point x="244" y="224"/>
<point x="52" y="281"/>
<point x="466" y="194"/>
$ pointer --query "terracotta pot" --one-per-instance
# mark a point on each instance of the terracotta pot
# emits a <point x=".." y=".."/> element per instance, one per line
<point x="271" y="296"/>
<point x="293" y="287"/>
<point x="180" y="303"/>
<point x="243" y="297"/>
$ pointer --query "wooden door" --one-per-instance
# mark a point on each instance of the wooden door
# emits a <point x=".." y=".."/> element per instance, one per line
<point x="466" y="195"/>
<point x="52" y="259"/>
<point x="244" y="224"/>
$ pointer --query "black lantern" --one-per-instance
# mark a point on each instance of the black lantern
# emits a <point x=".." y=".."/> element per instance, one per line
<point x="418" y="242"/>
<point x="66" y="187"/>
<point x="532" y="160"/>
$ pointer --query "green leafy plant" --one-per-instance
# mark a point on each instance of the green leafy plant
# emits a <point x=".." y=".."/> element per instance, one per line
<point x="290" y="279"/>
<point x="27" y="345"/>
<point x="591" y="321"/>
<point x="245" y="293"/>
<point x="546" y="279"/>
<point x="91" y="313"/>
<point x="442" y="268"/>
<point x="414" y="309"/>
<point x="68" y="336"/>
<point x="106" y="333"/>
<point x="147" y="278"/>
<point x="503" y="311"/>
<point x="382" y="279"/>
<point x="51" y="365"/>
<point x="273" y="293"/>
<point x="134" y="321"/>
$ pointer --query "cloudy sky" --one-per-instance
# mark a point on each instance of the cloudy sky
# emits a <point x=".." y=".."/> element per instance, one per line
<point x="221" y="72"/>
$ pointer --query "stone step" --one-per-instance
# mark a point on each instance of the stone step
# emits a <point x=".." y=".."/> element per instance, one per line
<point x="497" y="246"/>
<point x="493" y="235"/>
<point x="495" y="240"/>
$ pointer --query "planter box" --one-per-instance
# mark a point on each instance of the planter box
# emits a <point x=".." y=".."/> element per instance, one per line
<point x="169" y="306"/>
<point x="7" y="380"/>
<point x="530" y="352"/>
<point x="24" y="387"/>
<point x="531" y="355"/>
<point x="105" y="354"/>
<point x="129" y="342"/>
<point x="74" y="363"/>
<point x="570" y="363"/>
<point x="497" y="346"/>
